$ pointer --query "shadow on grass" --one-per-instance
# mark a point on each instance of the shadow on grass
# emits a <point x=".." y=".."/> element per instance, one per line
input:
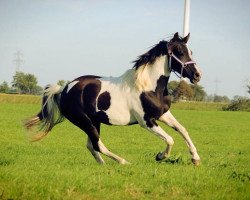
<point x="176" y="160"/>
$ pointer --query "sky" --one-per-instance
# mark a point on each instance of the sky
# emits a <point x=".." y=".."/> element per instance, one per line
<point x="65" y="39"/>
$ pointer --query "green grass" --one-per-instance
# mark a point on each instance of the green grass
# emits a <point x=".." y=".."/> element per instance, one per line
<point x="60" y="166"/>
<point x="200" y="105"/>
<point x="20" y="98"/>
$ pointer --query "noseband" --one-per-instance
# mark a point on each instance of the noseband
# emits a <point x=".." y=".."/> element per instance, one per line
<point x="183" y="64"/>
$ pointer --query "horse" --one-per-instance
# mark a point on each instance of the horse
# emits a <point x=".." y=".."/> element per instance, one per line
<point x="139" y="96"/>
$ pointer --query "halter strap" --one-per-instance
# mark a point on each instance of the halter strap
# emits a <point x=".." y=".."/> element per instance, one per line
<point x="183" y="65"/>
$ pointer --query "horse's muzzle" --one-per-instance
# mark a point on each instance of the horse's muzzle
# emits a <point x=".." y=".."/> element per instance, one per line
<point x="196" y="78"/>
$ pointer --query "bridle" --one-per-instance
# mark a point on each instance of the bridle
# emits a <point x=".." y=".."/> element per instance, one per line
<point x="183" y="64"/>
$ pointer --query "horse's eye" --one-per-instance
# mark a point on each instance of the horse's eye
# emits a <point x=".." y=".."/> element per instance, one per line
<point x="181" y="53"/>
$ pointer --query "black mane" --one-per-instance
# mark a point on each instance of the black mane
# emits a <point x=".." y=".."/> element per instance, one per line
<point x="150" y="56"/>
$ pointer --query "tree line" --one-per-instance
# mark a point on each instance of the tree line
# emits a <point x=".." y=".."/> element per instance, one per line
<point x="26" y="83"/>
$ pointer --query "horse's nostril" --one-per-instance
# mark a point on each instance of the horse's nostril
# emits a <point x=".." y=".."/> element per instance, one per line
<point x="197" y="74"/>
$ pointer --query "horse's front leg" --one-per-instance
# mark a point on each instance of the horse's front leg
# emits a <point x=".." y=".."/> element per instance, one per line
<point x="170" y="120"/>
<point x="158" y="131"/>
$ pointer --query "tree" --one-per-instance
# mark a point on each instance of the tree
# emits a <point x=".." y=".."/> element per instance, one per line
<point x="4" y="88"/>
<point x="172" y="85"/>
<point x="37" y="90"/>
<point x="248" y="88"/>
<point x="183" y="91"/>
<point x="218" y="98"/>
<point x="199" y="92"/>
<point x="25" y="83"/>
<point x="238" y="103"/>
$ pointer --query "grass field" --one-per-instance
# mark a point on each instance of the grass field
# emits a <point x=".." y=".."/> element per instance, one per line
<point x="60" y="166"/>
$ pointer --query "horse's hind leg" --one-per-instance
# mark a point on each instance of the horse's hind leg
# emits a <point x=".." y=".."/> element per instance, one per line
<point x="102" y="149"/>
<point x="95" y="153"/>
<point x="108" y="153"/>
<point x="90" y="147"/>
<point x="92" y="129"/>
<point x="95" y="144"/>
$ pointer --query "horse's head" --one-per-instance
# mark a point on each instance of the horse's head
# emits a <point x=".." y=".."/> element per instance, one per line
<point x="180" y="58"/>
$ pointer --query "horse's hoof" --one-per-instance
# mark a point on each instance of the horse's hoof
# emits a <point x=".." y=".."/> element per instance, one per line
<point x="196" y="162"/>
<point x="124" y="162"/>
<point x="159" y="157"/>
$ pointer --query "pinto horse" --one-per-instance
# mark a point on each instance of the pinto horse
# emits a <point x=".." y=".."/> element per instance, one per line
<point x="139" y="96"/>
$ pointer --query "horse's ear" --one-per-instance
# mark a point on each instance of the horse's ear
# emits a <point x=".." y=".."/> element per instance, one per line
<point x="185" y="39"/>
<point x="176" y="37"/>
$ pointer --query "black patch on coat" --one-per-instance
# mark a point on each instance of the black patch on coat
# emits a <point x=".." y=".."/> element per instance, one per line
<point x="102" y="117"/>
<point x="103" y="102"/>
<point x="155" y="103"/>
<point x="79" y="107"/>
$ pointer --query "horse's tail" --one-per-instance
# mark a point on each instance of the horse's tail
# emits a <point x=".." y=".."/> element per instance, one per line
<point x="50" y="114"/>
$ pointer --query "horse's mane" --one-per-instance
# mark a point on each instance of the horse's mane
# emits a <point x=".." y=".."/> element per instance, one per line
<point x="142" y="64"/>
<point x="156" y="51"/>
<point x="150" y="56"/>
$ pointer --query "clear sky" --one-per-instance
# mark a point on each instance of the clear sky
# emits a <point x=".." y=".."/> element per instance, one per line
<point x="64" y="39"/>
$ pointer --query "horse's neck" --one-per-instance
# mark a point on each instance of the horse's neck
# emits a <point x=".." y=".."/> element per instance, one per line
<point x="159" y="68"/>
<point x="146" y="77"/>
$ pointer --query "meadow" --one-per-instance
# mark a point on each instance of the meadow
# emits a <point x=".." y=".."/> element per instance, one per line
<point x="61" y="167"/>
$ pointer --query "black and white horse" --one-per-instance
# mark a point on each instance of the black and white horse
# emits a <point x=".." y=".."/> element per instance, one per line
<point x="138" y="96"/>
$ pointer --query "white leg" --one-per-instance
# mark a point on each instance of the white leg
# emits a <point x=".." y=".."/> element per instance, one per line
<point x="158" y="131"/>
<point x="170" y="120"/>
<point x="96" y="154"/>
<point x="108" y="153"/>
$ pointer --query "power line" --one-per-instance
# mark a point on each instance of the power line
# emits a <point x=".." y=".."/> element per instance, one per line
<point x="18" y="60"/>
<point x="216" y="86"/>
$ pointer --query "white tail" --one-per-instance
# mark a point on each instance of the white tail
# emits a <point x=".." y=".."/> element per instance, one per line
<point x="50" y="114"/>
